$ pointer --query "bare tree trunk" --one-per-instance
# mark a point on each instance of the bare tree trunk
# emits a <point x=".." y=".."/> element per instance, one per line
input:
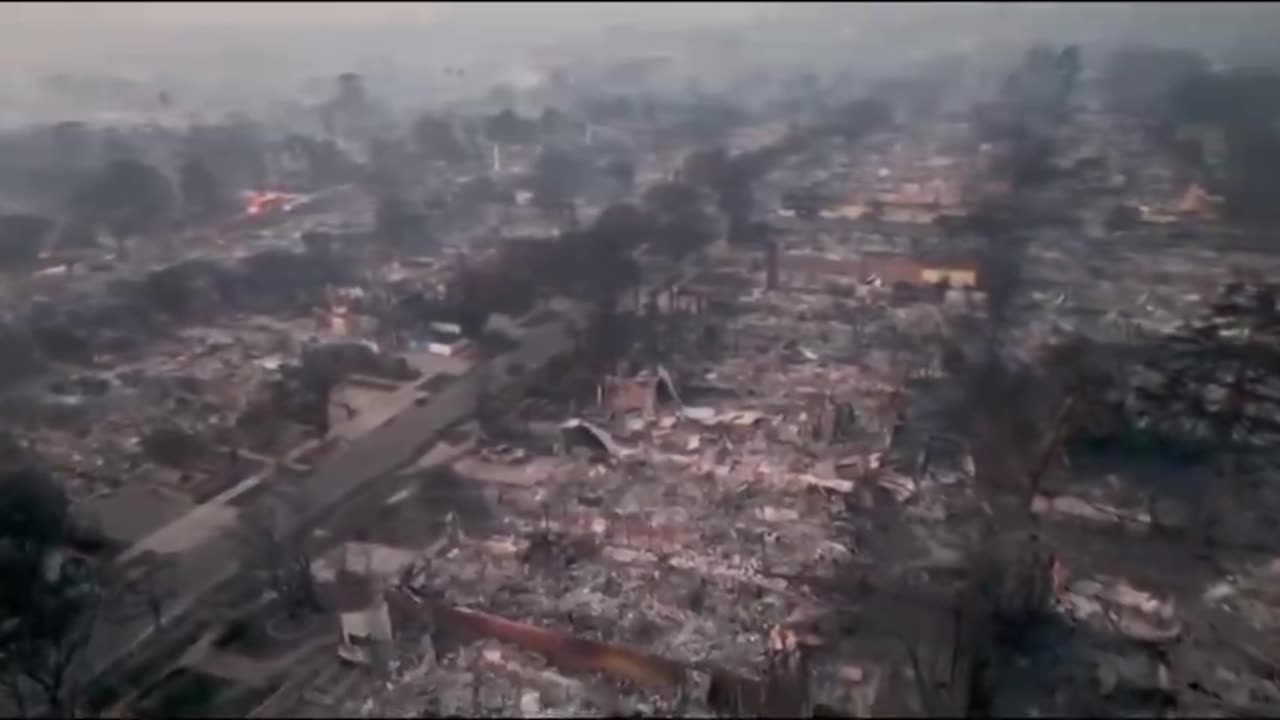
<point x="155" y="603"/>
<point x="54" y="701"/>
<point x="309" y="595"/>
<point x="12" y="686"/>
<point x="281" y="556"/>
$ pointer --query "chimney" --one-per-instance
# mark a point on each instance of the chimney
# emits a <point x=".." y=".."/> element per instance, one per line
<point x="497" y="159"/>
<point x="378" y="616"/>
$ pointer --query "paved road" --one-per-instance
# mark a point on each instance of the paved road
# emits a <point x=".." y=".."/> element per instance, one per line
<point x="386" y="449"/>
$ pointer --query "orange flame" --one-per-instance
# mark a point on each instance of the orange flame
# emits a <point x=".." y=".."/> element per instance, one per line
<point x="264" y="201"/>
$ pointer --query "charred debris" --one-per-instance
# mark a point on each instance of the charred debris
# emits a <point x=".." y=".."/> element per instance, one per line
<point x="646" y="406"/>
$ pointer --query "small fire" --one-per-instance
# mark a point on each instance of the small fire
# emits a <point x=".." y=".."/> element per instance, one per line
<point x="258" y="203"/>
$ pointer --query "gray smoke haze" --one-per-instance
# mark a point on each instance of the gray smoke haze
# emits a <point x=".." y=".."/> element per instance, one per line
<point x="214" y="58"/>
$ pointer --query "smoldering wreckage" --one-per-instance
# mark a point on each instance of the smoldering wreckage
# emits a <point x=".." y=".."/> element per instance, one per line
<point x="887" y="452"/>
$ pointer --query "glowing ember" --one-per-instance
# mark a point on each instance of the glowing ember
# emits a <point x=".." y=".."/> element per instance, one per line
<point x="258" y="203"/>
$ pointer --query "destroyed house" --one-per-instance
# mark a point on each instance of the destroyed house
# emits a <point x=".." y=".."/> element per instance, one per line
<point x="441" y="338"/>
<point x="644" y="393"/>
<point x="1197" y="203"/>
<point x="807" y="269"/>
<point x="953" y="272"/>
<point x="577" y="433"/>
<point x="933" y="193"/>
<point x="891" y="269"/>
<point x="352" y="579"/>
<point x="888" y="269"/>
<point x="362" y="614"/>
<point x="909" y="214"/>
<point x="814" y="268"/>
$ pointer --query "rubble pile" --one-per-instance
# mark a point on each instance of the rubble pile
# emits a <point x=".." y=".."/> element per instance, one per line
<point x="791" y="464"/>
<point x="905" y="449"/>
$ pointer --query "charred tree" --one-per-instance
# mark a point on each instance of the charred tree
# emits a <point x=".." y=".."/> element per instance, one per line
<point x="203" y="198"/>
<point x="274" y="546"/>
<point x="558" y="178"/>
<point x="22" y="237"/>
<point x="49" y="600"/>
<point x="127" y="196"/>
<point x="436" y="141"/>
<point x="1211" y="388"/>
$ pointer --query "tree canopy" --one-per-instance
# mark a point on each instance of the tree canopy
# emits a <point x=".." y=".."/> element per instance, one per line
<point x="401" y="226"/>
<point x="508" y="128"/>
<point x="22" y="237"/>
<point x="234" y="152"/>
<point x="623" y="172"/>
<point x="48" y="600"/>
<point x="319" y="162"/>
<point x="558" y="177"/>
<point x="203" y="197"/>
<point x="684" y="223"/>
<point x="860" y="117"/>
<point x="1137" y="80"/>
<point x="128" y="196"/>
<point x="436" y="140"/>
<point x="708" y="119"/>
<point x="1244" y="104"/>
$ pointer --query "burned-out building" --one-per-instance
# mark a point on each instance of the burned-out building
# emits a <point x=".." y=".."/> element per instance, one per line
<point x="549" y="523"/>
<point x="808" y="269"/>
<point x="643" y="393"/>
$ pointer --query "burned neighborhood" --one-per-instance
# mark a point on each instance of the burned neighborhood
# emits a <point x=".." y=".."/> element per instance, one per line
<point x="836" y="360"/>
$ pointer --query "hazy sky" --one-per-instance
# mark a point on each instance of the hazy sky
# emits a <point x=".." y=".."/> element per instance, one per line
<point x="234" y="38"/>
<point x="188" y="14"/>
<point x="37" y="36"/>
<point x="180" y="14"/>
